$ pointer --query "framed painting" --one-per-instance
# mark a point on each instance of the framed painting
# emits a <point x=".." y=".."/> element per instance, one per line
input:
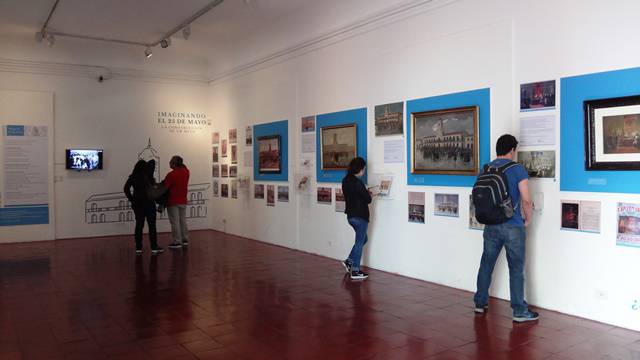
<point x="269" y="154"/>
<point x="612" y="133"/>
<point x="339" y="145"/>
<point x="445" y="141"/>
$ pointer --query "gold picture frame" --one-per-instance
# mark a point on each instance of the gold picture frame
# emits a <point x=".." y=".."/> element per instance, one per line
<point x="445" y="141"/>
<point x="340" y="147"/>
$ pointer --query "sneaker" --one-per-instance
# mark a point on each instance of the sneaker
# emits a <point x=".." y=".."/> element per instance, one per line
<point x="526" y="316"/>
<point x="347" y="266"/>
<point x="175" y="245"/>
<point x="358" y="275"/>
<point x="481" y="309"/>
<point x="157" y="250"/>
<point x="138" y="251"/>
<point x="185" y="243"/>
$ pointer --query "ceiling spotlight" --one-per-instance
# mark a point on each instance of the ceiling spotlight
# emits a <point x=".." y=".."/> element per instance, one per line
<point x="148" y="53"/>
<point x="186" y="32"/>
<point x="50" y="40"/>
<point x="40" y="35"/>
<point x="165" y="43"/>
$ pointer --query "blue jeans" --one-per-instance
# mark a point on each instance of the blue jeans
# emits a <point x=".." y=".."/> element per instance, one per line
<point x="513" y="239"/>
<point x="360" y="226"/>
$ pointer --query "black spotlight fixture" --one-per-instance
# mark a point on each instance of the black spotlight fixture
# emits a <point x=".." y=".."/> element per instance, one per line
<point x="148" y="53"/>
<point x="164" y="43"/>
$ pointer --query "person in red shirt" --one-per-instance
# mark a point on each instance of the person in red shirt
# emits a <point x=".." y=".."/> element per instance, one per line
<point x="177" y="182"/>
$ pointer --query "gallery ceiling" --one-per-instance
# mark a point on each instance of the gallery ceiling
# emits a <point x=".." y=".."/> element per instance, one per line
<point x="234" y="29"/>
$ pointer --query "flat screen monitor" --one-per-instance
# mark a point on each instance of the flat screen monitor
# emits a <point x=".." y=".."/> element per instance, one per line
<point x="84" y="159"/>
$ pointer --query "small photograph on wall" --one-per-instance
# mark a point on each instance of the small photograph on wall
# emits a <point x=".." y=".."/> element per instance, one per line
<point x="570" y="212"/>
<point x="234" y="189"/>
<point x="538" y="95"/>
<point x="581" y="215"/>
<point x="248" y="136"/>
<point x="258" y="191"/>
<point x="216" y="188"/>
<point x="416" y="207"/>
<point x="234" y="154"/>
<point x="215" y="155"/>
<point x="283" y="193"/>
<point x="269" y="154"/>
<point x="224" y="169"/>
<point x="341" y="205"/>
<point x="233" y="171"/>
<point x="308" y="124"/>
<point x="233" y="136"/>
<point x="539" y="164"/>
<point x="215" y="170"/>
<point x="324" y="195"/>
<point x="473" y="222"/>
<point x="271" y="198"/>
<point x="446" y="205"/>
<point x="628" y="225"/>
<point x="223" y="150"/>
<point x="224" y="190"/>
<point x="388" y="119"/>
<point x="445" y="141"/>
<point x="338" y="146"/>
<point x="215" y="138"/>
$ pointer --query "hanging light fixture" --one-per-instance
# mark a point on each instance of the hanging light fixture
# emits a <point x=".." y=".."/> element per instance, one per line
<point x="148" y="53"/>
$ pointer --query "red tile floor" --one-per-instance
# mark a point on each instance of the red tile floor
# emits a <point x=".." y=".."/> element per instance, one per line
<point x="232" y="298"/>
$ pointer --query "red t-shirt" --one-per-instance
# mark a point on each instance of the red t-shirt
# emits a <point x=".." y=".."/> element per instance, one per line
<point x="177" y="181"/>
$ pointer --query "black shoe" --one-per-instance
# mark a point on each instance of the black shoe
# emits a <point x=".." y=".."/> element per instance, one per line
<point x="185" y="243"/>
<point x="175" y="245"/>
<point x="481" y="309"/>
<point x="526" y="316"/>
<point x="157" y="251"/>
<point x="358" y="275"/>
<point x="138" y="251"/>
<point x="160" y="209"/>
<point x="347" y="266"/>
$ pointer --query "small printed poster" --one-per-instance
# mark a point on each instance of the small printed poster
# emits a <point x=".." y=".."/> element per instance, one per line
<point x="214" y="154"/>
<point x="271" y="196"/>
<point x="308" y="143"/>
<point x="283" y="193"/>
<point x="233" y="171"/>
<point x="416" y="207"/>
<point x="223" y="151"/>
<point x="224" y="169"/>
<point x="233" y="136"/>
<point x="234" y="189"/>
<point x="215" y="171"/>
<point x="324" y="195"/>
<point x="215" y="138"/>
<point x="394" y="151"/>
<point x="224" y="190"/>
<point x="308" y="124"/>
<point x="580" y="215"/>
<point x="388" y="119"/>
<point x="215" y="187"/>
<point x="258" y="191"/>
<point x="537" y="130"/>
<point x="234" y="154"/>
<point x="628" y="225"/>
<point x="248" y="136"/>
<point x="538" y="95"/>
<point x="446" y="205"/>
<point x="248" y="159"/>
<point x="341" y="205"/>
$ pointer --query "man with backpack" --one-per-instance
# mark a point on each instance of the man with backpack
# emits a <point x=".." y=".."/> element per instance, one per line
<point x="500" y="196"/>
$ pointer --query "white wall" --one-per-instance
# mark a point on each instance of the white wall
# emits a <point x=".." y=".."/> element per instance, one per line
<point x="118" y="116"/>
<point x="462" y="46"/>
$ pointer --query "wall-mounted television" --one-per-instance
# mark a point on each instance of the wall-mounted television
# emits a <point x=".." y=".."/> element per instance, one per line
<point x="84" y="159"/>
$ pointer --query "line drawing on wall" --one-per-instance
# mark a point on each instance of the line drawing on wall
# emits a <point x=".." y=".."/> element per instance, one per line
<point x="114" y="207"/>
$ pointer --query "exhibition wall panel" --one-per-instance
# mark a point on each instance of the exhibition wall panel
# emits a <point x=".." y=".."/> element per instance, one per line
<point x="490" y="46"/>
<point x="128" y="120"/>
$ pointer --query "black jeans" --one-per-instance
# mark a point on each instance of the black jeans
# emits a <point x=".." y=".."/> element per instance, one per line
<point x="142" y="211"/>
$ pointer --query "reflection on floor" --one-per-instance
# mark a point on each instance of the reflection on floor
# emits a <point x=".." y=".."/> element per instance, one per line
<point x="232" y="298"/>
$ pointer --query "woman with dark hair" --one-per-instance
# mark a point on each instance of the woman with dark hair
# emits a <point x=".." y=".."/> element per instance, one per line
<point x="357" y="199"/>
<point x="143" y="207"/>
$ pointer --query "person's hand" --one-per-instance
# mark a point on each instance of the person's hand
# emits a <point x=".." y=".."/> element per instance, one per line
<point x="526" y="223"/>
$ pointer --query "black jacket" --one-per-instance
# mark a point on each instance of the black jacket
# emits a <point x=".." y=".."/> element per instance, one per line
<point x="356" y="196"/>
<point x="140" y="186"/>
